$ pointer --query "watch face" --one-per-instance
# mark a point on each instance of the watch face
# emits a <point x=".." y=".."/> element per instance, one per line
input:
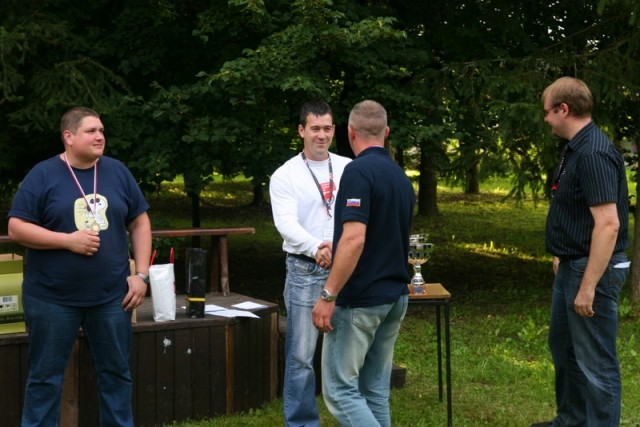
<point x="325" y="295"/>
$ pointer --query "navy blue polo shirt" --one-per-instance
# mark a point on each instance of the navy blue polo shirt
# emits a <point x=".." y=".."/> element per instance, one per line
<point x="375" y="191"/>
<point x="592" y="173"/>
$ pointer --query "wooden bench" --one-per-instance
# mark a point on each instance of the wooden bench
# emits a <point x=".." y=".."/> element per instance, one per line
<point x="219" y="253"/>
<point x="219" y="277"/>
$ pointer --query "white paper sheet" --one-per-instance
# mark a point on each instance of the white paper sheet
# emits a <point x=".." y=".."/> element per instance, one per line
<point x="210" y="308"/>
<point x="248" y="305"/>
<point x="233" y="313"/>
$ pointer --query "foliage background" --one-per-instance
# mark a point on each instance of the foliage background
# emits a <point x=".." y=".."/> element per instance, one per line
<point x="196" y="87"/>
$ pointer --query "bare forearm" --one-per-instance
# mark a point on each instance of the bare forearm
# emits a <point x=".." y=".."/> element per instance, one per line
<point x="36" y="237"/>
<point x="140" y="231"/>
<point x="603" y="241"/>
<point x="346" y="258"/>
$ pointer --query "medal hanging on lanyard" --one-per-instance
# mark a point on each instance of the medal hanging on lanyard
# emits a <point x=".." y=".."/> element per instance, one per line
<point x="91" y="208"/>
<point x="327" y="202"/>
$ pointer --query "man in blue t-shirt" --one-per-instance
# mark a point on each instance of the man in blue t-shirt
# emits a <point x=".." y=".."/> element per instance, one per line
<point x="365" y="297"/>
<point x="72" y="212"/>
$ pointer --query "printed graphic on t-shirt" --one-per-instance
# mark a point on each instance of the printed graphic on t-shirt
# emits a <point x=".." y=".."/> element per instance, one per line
<point x="92" y="217"/>
<point x="327" y="191"/>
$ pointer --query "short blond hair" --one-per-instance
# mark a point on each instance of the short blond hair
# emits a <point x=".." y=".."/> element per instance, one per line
<point x="369" y="119"/>
<point x="571" y="91"/>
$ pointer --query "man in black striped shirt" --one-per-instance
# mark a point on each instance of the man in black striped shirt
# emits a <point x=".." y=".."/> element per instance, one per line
<point x="587" y="234"/>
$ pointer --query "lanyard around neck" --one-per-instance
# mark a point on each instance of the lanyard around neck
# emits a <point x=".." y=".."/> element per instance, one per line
<point x="327" y="202"/>
<point x="560" y="171"/>
<point x="95" y="184"/>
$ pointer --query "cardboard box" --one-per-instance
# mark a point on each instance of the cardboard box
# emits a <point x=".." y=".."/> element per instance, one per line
<point x="10" y="263"/>
<point x="11" y="310"/>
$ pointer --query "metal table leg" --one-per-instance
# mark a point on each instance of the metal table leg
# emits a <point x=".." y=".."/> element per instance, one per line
<point x="447" y="338"/>
<point x="439" y="344"/>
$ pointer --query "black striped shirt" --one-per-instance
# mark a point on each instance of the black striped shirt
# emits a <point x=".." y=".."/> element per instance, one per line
<point x="593" y="172"/>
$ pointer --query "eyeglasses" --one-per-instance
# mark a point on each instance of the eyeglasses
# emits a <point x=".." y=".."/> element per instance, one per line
<point x="545" y="112"/>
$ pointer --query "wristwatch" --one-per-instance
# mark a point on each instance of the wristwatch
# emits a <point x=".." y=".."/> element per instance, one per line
<point x="326" y="295"/>
<point x="144" y="277"/>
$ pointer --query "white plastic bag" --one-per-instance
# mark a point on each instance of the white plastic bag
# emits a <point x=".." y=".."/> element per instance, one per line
<point x="163" y="292"/>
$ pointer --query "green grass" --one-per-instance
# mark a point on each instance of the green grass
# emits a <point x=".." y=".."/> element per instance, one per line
<point x="490" y="255"/>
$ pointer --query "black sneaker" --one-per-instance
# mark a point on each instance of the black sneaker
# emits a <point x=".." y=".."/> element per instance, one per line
<point x="543" y="424"/>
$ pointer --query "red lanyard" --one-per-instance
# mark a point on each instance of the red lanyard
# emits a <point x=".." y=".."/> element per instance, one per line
<point x="95" y="185"/>
<point x="560" y="171"/>
<point x="327" y="202"/>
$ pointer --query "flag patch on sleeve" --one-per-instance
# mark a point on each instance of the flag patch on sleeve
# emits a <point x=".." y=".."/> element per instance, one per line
<point x="354" y="203"/>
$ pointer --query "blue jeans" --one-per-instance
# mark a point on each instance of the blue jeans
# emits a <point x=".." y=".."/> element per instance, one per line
<point x="357" y="359"/>
<point x="52" y="331"/>
<point x="587" y="373"/>
<point x="302" y="289"/>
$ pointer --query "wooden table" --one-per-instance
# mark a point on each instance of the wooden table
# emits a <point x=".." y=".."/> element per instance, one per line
<point x="436" y="295"/>
<point x="186" y="369"/>
<point x="219" y="252"/>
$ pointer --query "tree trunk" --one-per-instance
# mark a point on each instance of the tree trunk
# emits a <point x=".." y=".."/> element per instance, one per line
<point x="428" y="186"/>
<point x="195" y="218"/>
<point x="398" y="155"/>
<point x="635" y="258"/>
<point x="472" y="184"/>
<point x="342" y="146"/>
<point x="258" y="195"/>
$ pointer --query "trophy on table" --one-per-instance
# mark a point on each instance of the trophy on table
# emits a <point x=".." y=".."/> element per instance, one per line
<point x="419" y="252"/>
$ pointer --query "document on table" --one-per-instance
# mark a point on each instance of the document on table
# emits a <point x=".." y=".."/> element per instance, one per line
<point x="216" y="310"/>
<point x="248" y="305"/>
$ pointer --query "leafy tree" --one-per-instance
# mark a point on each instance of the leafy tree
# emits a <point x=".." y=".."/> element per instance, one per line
<point x="46" y="67"/>
<point x="317" y="51"/>
<point x="205" y="86"/>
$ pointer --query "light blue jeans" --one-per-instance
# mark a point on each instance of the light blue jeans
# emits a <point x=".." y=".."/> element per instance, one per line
<point x="588" y="385"/>
<point x="302" y="289"/>
<point x="52" y="331"/>
<point x="357" y="359"/>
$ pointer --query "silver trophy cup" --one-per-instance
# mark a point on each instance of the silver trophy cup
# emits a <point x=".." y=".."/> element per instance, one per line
<point x="419" y="252"/>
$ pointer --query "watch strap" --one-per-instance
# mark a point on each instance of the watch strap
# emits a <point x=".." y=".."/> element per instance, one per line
<point x="144" y="277"/>
<point x="326" y="295"/>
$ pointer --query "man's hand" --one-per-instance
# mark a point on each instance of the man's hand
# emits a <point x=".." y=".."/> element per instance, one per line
<point x="583" y="304"/>
<point x="84" y="242"/>
<point x="323" y="255"/>
<point x="136" y="294"/>
<point x="321" y="315"/>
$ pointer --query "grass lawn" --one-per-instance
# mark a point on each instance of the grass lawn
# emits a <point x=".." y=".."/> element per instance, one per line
<point x="489" y="253"/>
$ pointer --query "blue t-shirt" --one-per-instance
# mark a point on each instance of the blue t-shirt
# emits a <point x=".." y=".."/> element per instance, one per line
<point x="50" y="198"/>
<point x="375" y="191"/>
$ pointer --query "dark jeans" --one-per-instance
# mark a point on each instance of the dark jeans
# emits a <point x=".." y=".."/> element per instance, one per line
<point x="588" y="385"/>
<point x="52" y="331"/>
